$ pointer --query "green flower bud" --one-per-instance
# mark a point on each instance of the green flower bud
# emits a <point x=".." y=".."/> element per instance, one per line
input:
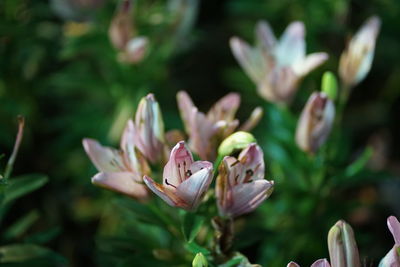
<point x="342" y="246"/>
<point x="329" y="85"/>
<point x="199" y="260"/>
<point x="236" y="141"/>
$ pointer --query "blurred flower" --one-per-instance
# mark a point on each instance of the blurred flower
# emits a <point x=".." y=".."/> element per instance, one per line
<point x="276" y="67"/>
<point x="241" y="186"/>
<point x="149" y="137"/>
<point x="318" y="263"/>
<point x="119" y="170"/>
<point x="315" y="122"/>
<point x="356" y="60"/>
<point x="185" y="181"/>
<point x="342" y="246"/>
<point x="207" y="131"/>
<point x="392" y="259"/>
<point x="76" y="10"/>
<point x="122" y="35"/>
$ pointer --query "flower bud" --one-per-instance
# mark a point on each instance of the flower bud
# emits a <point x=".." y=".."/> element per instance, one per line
<point x="342" y="246"/>
<point x="121" y="27"/>
<point x="329" y="85"/>
<point x="356" y="60"/>
<point x="199" y="260"/>
<point x="236" y="141"/>
<point x="392" y="258"/>
<point x="315" y="123"/>
<point x="135" y="50"/>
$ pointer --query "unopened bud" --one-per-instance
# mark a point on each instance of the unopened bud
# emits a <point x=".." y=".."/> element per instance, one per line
<point x="329" y="85"/>
<point x="236" y="141"/>
<point x="342" y="246"/>
<point x="199" y="260"/>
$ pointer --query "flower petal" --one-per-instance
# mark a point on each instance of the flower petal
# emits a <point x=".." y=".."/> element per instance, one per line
<point x="394" y="227"/>
<point x="310" y="62"/>
<point x="247" y="197"/>
<point x="253" y="120"/>
<point x="321" y="263"/>
<point x="225" y="108"/>
<point x="202" y="138"/>
<point x="265" y="35"/>
<point x="186" y="107"/>
<point x="250" y="59"/>
<point x="177" y="170"/>
<point x="105" y="159"/>
<point x="291" y="47"/>
<point x="292" y="264"/>
<point x="123" y="182"/>
<point x="192" y="190"/>
<point x="164" y="193"/>
<point x="252" y="159"/>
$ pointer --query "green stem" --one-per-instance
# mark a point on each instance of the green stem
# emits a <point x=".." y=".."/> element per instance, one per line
<point x="10" y="163"/>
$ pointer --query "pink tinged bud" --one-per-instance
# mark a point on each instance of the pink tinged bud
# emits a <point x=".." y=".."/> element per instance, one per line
<point x="342" y="246"/>
<point x="315" y="122"/>
<point x="121" y="27"/>
<point x="321" y="263"/>
<point x="392" y="258"/>
<point x="240" y="185"/>
<point x="356" y="60"/>
<point x="149" y="124"/>
<point x="135" y="50"/>
<point x="184" y="181"/>
<point x="292" y="264"/>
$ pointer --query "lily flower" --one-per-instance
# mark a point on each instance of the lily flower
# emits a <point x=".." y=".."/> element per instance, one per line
<point x="356" y="60"/>
<point x="185" y="181"/>
<point x="149" y="137"/>
<point x="122" y="35"/>
<point x="317" y="263"/>
<point x="241" y="186"/>
<point x="206" y="131"/>
<point x="276" y="67"/>
<point x="393" y="257"/>
<point x="119" y="170"/>
<point x="315" y="122"/>
<point x="342" y="246"/>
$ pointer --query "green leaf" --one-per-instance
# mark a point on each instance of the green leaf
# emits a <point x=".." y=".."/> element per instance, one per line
<point x="18" y="187"/>
<point x="191" y="225"/>
<point x="196" y="248"/>
<point x="22" y="225"/>
<point x="24" y="252"/>
<point x="359" y="163"/>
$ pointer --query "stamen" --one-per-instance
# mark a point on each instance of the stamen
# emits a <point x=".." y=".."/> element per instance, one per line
<point x="166" y="182"/>
<point x="189" y="173"/>
<point x="236" y="162"/>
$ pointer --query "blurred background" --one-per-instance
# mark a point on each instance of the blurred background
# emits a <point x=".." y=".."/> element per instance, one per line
<point x="59" y="69"/>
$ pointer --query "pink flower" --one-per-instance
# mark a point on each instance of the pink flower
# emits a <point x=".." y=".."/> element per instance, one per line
<point x="185" y="181"/>
<point x="276" y="67"/>
<point x="317" y="263"/>
<point x="315" y="122"/>
<point x="119" y="170"/>
<point x="392" y="259"/>
<point x="206" y="131"/>
<point x="241" y="186"/>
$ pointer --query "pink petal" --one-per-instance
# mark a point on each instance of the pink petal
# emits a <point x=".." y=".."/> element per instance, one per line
<point x="128" y="145"/>
<point x="225" y="108"/>
<point x="234" y="170"/>
<point x="104" y="158"/>
<point x="292" y="264"/>
<point x="202" y="138"/>
<point x="193" y="189"/>
<point x="291" y="47"/>
<point x="252" y="159"/>
<point x="164" y="193"/>
<point x="392" y="258"/>
<point x="309" y="63"/>
<point x="177" y="168"/>
<point x="321" y="263"/>
<point x="199" y="165"/>
<point x="253" y="120"/>
<point x="186" y="107"/>
<point x="265" y="35"/>
<point x="250" y="59"/>
<point x="394" y="227"/>
<point x="123" y="182"/>
<point x="247" y="197"/>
